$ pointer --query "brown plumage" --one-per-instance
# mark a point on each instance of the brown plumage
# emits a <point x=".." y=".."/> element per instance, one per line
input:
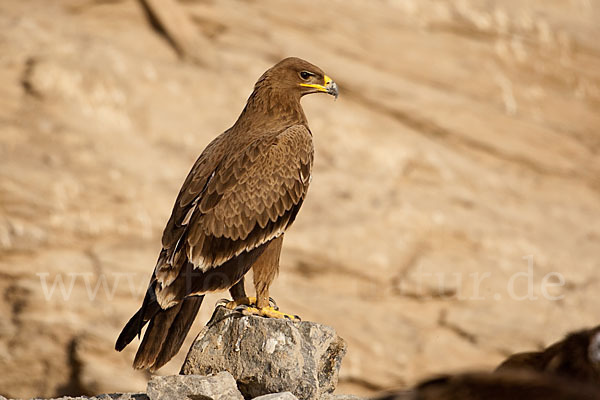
<point x="240" y="196"/>
<point x="575" y="357"/>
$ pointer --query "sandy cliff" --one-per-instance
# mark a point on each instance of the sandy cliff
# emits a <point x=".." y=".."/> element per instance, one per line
<point x="464" y="145"/>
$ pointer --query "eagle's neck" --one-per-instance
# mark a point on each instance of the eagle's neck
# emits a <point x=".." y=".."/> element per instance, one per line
<point x="269" y="108"/>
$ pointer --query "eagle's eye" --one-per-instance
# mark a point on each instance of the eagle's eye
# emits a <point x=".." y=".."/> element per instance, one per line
<point x="305" y="75"/>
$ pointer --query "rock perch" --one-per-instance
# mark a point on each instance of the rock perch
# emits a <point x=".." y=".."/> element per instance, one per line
<point x="215" y="387"/>
<point x="268" y="355"/>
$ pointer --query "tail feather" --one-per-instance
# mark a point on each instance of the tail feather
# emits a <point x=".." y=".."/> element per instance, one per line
<point x="131" y="330"/>
<point x="166" y="333"/>
<point x="134" y="326"/>
<point x="154" y="337"/>
<point x="179" y="330"/>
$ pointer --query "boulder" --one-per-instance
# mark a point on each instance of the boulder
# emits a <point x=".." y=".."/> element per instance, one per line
<point x="267" y="355"/>
<point x="277" y="396"/>
<point x="111" y="396"/>
<point x="341" y="397"/>
<point x="220" y="386"/>
<point x="501" y="385"/>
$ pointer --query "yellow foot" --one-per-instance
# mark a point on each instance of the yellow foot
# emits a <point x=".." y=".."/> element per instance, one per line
<point x="244" y="301"/>
<point x="247" y="306"/>
<point x="268" y="312"/>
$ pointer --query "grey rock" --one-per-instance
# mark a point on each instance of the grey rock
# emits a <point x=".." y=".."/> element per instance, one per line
<point x="277" y="396"/>
<point x="330" y="396"/>
<point x="220" y="386"/>
<point x="267" y="355"/>
<point x="409" y="394"/>
<point x="121" y="396"/>
<point x="111" y="396"/>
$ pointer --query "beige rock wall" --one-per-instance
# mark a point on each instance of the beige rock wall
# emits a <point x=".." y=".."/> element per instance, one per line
<point x="465" y="138"/>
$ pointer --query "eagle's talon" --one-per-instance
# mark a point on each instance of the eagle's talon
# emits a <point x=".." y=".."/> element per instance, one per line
<point x="222" y="303"/>
<point x="241" y="308"/>
<point x="243" y="301"/>
<point x="273" y="304"/>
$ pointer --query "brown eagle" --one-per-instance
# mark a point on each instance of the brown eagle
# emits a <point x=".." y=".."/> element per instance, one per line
<point x="243" y="192"/>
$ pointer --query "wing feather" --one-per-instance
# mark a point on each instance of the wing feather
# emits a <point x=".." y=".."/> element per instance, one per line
<point x="235" y="200"/>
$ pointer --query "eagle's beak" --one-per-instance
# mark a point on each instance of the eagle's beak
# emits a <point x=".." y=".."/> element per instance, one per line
<point x="331" y="87"/>
<point x="328" y="86"/>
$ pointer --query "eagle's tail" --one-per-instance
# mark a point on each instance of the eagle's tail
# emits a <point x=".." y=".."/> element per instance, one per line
<point x="165" y="334"/>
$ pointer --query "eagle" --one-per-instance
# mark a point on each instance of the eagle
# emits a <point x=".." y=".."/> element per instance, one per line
<point x="231" y="213"/>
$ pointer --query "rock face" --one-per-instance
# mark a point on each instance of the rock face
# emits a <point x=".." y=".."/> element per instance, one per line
<point x="215" y="387"/>
<point x="474" y="146"/>
<point x="268" y="355"/>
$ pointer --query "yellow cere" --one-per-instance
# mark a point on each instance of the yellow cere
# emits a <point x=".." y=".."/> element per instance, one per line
<point x="322" y="88"/>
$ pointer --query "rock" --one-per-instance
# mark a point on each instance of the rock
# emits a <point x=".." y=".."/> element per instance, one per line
<point x="575" y="357"/>
<point x="220" y="386"/>
<point x="510" y="384"/>
<point x="112" y="396"/>
<point x="341" y="397"/>
<point x="268" y="355"/>
<point x="406" y="169"/>
<point x="277" y="396"/>
<point x="180" y="31"/>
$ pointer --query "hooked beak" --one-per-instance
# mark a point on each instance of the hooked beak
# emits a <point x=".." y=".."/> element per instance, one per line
<point x="328" y="86"/>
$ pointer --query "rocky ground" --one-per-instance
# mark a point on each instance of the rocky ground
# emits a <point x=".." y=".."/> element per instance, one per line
<point x="463" y="149"/>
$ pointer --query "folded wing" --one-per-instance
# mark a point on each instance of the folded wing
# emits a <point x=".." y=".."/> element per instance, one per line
<point x="232" y="205"/>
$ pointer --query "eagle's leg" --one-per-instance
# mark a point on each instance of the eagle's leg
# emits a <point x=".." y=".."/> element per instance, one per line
<point x="265" y="269"/>
<point x="238" y="294"/>
<point x="240" y="300"/>
<point x="238" y="291"/>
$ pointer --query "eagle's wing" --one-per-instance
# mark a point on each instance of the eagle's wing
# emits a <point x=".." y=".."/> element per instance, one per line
<point x="234" y="205"/>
